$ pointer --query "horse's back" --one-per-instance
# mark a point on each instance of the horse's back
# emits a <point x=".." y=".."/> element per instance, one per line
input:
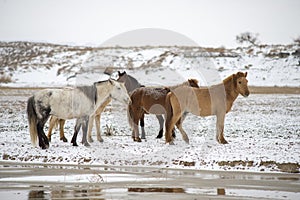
<point x="65" y="103"/>
<point x="151" y="99"/>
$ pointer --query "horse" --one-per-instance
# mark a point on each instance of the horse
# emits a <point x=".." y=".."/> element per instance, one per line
<point x="130" y="84"/>
<point x="215" y="100"/>
<point x="68" y="103"/>
<point x="150" y="100"/>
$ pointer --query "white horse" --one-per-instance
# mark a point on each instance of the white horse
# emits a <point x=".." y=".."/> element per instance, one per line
<point x="80" y="102"/>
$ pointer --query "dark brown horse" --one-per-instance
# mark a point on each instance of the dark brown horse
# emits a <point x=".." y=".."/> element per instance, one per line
<point x="215" y="100"/>
<point x="150" y="100"/>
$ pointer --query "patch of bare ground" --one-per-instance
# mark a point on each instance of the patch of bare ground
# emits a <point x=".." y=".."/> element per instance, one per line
<point x="283" y="167"/>
<point x="274" y="90"/>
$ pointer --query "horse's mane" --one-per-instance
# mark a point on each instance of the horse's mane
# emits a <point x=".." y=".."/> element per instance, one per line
<point x="100" y="82"/>
<point x="134" y="80"/>
<point x="190" y="82"/>
<point x="228" y="79"/>
<point x="89" y="91"/>
<point x="234" y="77"/>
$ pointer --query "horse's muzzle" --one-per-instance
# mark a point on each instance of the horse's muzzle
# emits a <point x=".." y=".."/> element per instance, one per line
<point x="246" y="94"/>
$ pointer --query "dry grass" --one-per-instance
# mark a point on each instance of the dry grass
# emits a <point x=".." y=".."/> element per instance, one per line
<point x="274" y="90"/>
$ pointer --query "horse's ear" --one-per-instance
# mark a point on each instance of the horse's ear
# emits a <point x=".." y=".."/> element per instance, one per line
<point x="234" y="77"/>
<point x="111" y="81"/>
<point x="246" y="74"/>
<point x="193" y="82"/>
<point x="121" y="73"/>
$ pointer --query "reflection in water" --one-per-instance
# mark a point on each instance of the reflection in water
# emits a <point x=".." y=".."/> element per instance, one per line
<point x="166" y="190"/>
<point x="71" y="182"/>
<point x="38" y="194"/>
<point x="220" y="191"/>
<point x="65" y="194"/>
<point x="77" y="193"/>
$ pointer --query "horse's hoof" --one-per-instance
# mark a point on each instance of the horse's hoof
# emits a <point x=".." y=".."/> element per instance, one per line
<point x="75" y="144"/>
<point x="186" y="139"/>
<point x="90" y="139"/>
<point x="222" y="141"/>
<point x="143" y="138"/>
<point x="86" y="144"/>
<point x="63" y="139"/>
<point x="137" y="139"/>
<point x="101" y="140"/>
<point x="45" y="147"/>
<point x="159" y="136"/>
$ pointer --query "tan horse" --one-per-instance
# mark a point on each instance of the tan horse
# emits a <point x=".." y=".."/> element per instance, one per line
<point x="215" y="100"/>
<point x="150" y="100"/>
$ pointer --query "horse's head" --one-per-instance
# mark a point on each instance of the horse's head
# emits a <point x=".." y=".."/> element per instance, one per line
<point x="119" y="92"/>
<point x="241" y="83"/>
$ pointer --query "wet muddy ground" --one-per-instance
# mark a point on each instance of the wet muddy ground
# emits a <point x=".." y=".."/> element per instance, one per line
<point x="22" y="181"/>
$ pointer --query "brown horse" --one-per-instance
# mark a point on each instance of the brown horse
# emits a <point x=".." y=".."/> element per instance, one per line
<point x="150" y="100"/>
<point x="215" y="100"/>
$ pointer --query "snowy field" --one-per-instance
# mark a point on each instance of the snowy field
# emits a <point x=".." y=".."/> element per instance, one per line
<point x="261" y="160"/>
<point x="263" y="133"/>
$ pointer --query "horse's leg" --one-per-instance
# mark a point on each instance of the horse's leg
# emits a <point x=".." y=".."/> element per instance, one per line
<point x="173" y="111"/>
<point x="142" y="124"/>
<point x="130" y="119"/>
<point x="85" y="125"/>
<point x="161" y="126"/>
<point x="134" y="114"/>
<point x="90" y="127"/>
<point x="98" y="127"/>
<point x="220" y="128"/>
<point x="183" y="133"/>
<point x="61" y="130"/>
<point x="183" y="116"/>
<point x="52" y="122"/>
<point x="43" y="139"/>
<point x="98" y="118"/>
<point x="76" y="130"/>
<point x="136" y="127"/>
<point x="138" y="114"/>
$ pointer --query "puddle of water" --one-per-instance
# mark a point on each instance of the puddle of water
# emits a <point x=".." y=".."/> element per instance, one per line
<point x="77" y="182"/>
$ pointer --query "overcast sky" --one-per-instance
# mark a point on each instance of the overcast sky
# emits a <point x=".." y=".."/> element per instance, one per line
<point x="206" y="22"/>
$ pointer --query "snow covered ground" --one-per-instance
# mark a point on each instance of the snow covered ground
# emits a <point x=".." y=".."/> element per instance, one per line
<point x="263" y="133"/>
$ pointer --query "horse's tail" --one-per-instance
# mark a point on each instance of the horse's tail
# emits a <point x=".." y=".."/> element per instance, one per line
<point x="169" y="115"/>
<point x="168" y="103"/>
<point x="130" y="116"/>
<point x="32" y="120"/>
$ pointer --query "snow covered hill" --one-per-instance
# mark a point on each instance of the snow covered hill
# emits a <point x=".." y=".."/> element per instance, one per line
<point x="25" y="64"/>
